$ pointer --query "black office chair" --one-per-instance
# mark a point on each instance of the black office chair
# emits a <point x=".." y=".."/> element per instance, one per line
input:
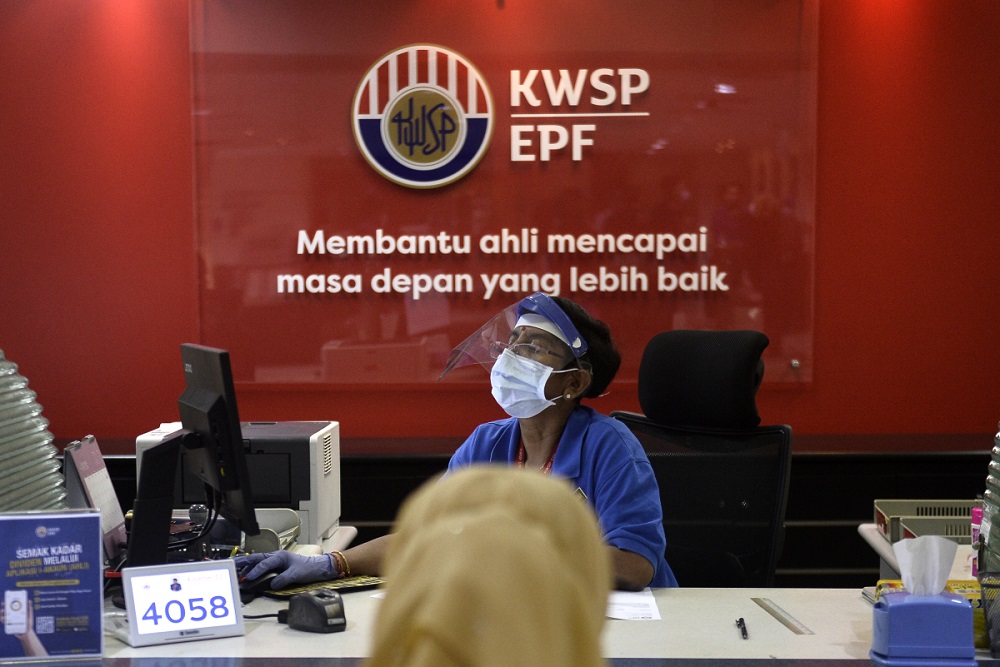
<point x="723" y="479"/>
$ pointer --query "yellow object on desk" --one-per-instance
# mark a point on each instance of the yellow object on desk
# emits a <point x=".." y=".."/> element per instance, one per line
<point x="356" y="583"/>
<point x="967" y="588"/>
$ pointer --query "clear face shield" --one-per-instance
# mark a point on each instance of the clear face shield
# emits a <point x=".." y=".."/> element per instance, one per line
<point x="538" y="310"/>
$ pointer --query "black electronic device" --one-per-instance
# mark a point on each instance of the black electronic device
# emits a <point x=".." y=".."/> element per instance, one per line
<point x="252" y="589"/>
<point x="317" y="611"/>
<point x="213" y="452"/>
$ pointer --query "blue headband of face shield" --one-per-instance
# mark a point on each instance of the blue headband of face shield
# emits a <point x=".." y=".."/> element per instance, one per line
<point x="477" y="348"/>
<point x="542" y="304"/>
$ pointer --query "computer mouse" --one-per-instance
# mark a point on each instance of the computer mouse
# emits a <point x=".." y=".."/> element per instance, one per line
<point x="255" y="588"/>
<point x="321" y="610"/>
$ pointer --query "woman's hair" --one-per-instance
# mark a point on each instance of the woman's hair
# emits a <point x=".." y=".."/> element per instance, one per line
<point x="493" y="566"/>
<point x="602" y="355"/>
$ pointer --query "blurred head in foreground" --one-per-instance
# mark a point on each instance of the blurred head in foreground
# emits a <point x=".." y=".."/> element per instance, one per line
<point x="493" y="566"/>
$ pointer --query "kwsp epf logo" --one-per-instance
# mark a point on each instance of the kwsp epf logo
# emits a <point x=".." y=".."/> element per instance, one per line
<point x="423" y="116"/>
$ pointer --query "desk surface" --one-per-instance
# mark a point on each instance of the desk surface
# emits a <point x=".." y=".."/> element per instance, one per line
<point x="697" y="627"/>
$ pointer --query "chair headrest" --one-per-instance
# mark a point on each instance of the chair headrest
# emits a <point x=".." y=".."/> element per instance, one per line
<point x="705" y="379"/>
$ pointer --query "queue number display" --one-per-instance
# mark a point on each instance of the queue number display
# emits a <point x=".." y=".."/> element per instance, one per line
<point x="182" y="601"/>
<point x="194" y="614"/>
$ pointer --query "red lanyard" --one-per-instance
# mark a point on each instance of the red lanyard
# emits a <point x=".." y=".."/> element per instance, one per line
<point x="521" y="455"/>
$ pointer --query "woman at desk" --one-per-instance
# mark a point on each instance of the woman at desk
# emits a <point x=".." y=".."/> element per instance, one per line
<point x="545" y="354"/>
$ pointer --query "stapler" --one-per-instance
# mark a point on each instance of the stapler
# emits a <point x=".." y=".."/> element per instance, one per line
<point x="923" y="631"/>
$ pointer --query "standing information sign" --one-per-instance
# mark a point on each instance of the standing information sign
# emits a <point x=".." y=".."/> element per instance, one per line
<point x="52" y="576"/>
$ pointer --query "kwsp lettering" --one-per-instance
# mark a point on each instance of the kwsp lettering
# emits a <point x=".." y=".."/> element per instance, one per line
<point x="550" y="92"/>
<point x="427" y="128"/>
<point x="569" y="90"/>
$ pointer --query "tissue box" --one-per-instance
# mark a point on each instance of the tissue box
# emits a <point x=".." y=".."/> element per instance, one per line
<point x="922" y="630"/>
<point x="967" y="588"/>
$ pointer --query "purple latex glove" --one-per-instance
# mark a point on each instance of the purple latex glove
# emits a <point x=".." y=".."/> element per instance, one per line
<point x="292" y="568"/>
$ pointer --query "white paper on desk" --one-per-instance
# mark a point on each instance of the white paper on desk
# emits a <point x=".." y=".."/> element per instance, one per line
<point x="639" y="606"/>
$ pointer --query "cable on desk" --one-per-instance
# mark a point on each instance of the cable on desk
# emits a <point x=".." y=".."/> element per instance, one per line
<point x="282" y="616"/>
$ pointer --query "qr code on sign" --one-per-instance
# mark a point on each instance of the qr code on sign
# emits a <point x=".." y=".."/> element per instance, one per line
<point x="45" y="625"/>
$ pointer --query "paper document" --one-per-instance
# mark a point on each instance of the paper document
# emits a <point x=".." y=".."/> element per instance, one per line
<point x="639" y="606"/>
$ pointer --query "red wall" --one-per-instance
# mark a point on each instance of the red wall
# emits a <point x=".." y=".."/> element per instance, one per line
<point x="97" y="268"/>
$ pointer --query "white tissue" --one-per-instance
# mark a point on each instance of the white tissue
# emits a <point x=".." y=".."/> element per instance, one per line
<point x="925" y="563"/>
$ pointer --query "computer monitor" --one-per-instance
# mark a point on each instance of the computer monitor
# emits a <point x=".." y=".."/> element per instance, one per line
<point x="213" y="452"/>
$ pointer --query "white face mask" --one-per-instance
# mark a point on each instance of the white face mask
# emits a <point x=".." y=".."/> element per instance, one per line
<point x="519" y="384"/>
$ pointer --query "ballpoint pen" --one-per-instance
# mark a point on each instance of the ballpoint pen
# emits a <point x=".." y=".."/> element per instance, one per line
<point x="742" y="626"/>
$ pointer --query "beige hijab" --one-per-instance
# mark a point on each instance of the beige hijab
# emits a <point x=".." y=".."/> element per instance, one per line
<point x="493" y="566"/>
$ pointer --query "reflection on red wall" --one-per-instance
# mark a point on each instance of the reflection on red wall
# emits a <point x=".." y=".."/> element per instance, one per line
<point x="99" y="286"/>
<point x="661" y="180"/>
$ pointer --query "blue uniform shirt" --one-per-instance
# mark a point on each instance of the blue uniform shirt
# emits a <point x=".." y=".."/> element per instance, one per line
<point x="600" y="457"/>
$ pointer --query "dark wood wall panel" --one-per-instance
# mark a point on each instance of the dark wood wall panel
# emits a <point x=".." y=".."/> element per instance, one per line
<point x="830" y="494"/>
